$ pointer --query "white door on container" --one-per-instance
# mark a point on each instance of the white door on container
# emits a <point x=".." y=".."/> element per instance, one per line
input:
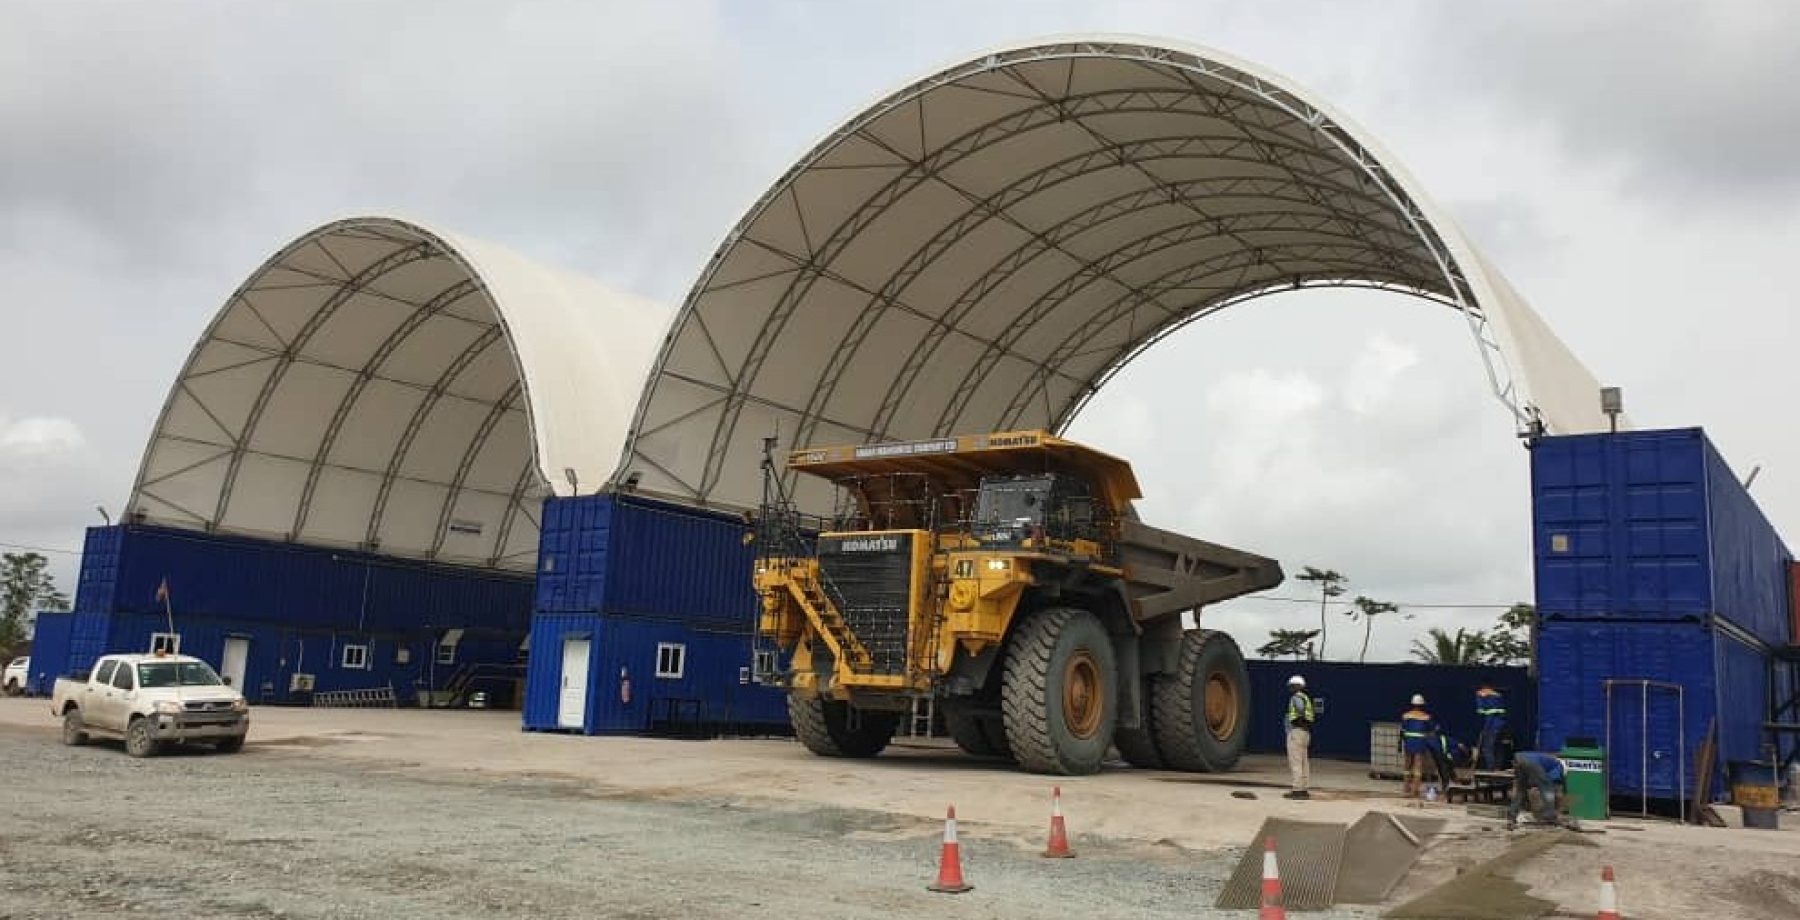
<point x="231" y="664"/>
<point x="571" y="711"/>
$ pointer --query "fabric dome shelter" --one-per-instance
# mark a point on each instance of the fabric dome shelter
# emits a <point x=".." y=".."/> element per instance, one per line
<point x="383" y="386"/>
<point x="983" y="248"/>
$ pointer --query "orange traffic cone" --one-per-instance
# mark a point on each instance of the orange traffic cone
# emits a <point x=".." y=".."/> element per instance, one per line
<point x="1059" y="834"/>
<point x="1271" y="889"/>
<point x="1609" y="896"/>
<point x="950" y="877"/>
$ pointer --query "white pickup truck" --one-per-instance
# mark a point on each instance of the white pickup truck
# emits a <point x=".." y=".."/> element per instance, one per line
<point x="151" y="700"/>
<point x="16" y="677"/>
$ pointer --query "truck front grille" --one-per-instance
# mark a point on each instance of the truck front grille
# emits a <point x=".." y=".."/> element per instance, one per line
<point x="868" y="578"/>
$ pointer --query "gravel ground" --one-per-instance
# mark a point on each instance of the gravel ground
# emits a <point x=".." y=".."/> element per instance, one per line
<point x="89" y="832"/>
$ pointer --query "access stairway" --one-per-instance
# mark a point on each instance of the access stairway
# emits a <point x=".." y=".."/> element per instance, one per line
<point x="837" y="634"/>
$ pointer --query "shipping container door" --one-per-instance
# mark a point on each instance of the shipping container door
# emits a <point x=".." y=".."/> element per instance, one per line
<point x="233" y="660"/>
<point x="572" y="710"/>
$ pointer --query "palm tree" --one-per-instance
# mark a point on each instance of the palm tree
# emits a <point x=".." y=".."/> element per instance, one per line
<point x="1512" y="641"/>
<point x="1331" y="584"/>
<point x="1367" y="609"/>
<point x="1286" y="643"/>
<point x="1463" y="648"/>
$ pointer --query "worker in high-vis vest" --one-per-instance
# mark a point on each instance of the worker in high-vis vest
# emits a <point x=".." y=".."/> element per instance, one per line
<point x="1299" y="721"/>
<point x="1490" y="708"/>
<point x="1418" y="733"/>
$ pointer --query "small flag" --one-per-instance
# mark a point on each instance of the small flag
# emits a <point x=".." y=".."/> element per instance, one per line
<point x="162" y="591"/>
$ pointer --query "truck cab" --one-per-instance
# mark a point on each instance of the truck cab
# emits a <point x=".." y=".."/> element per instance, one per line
<point x="150" y="701"/>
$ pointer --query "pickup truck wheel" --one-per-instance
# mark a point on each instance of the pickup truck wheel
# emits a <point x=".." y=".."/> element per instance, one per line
<point x="74" y="733"/>
<point x="229" y="745"/>
<point x="138" y="741"/>
<point x="13" y="688"/>
<point x="1203" y="709"/>
<point x="1058" y="693"/>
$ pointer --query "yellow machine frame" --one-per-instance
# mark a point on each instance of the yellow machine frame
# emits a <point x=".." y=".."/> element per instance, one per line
<point x="975" y="590"/>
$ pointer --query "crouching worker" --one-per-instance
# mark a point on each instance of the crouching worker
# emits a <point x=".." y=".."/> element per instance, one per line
<point x="1543" y="772"/>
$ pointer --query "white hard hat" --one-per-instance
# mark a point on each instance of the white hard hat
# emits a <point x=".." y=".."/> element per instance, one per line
<point x="1418" y="700"/>
<point x="1296" y="681"/>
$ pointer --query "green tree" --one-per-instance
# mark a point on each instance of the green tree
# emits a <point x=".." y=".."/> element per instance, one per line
<point x="1464" y="647"/>
<point x="1331" y="584"/>
<point x="1367" y="609"/>
<point x="1287" y="643"/>
<point x="26" y="586"/>
<point x="1511" y="641"/>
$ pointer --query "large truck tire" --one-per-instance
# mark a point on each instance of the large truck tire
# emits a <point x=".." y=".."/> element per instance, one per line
<point x="1138" y="745"/>
<point x="1058" y="696"/>
<point x="972" y="733"/>
<point x="1202" y="718"/>
<point x="830" y="728"/>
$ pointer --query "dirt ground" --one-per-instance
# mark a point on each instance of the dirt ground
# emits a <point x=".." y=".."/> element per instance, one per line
<point x="371" y="813"/>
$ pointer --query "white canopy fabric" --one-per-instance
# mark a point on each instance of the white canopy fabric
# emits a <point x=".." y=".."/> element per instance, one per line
<point x="383" y="386"/>
<point x="984" y="248"/>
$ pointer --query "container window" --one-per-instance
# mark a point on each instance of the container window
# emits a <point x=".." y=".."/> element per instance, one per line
<point x="765" y="665"/>
<point x="671" y="659"/>
<point x="446" y="647"/>
<point x="356" y="657"/>
<point x="165" y="643"/>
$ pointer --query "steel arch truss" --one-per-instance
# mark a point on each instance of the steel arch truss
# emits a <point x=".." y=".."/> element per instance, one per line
<point x="361" y="389"/>
<point x="988" y="246"/>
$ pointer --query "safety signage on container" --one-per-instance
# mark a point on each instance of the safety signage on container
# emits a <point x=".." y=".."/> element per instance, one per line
<point x="1583" y="766"/>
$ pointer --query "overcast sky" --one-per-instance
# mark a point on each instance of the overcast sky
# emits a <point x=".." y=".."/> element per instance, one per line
<point x="1629" y="165"/>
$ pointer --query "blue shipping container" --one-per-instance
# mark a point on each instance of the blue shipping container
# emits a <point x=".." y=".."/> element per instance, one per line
<point x="273" y="653"/>
<point x="49" y="651"/>
<point x="627" y="555"/>
<point x="1655" y="733"/>
<point x="88" y="633"/>
<point x="1356" y="694"/>
<point x="631" y="679"/>
<point x="97" y="584"/>
<point x="243" y="579"/>
<point x="1653" y="525"/>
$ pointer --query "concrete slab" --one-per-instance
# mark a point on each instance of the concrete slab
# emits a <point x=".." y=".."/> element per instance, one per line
<point x="1377" y="855"/>
<point x="1307" y="854"/>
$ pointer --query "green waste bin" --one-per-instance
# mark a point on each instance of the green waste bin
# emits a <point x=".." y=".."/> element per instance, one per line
<point x="1585" y="782"/>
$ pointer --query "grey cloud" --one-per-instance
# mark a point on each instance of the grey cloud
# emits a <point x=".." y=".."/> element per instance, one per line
<point x="1690" y="97"/>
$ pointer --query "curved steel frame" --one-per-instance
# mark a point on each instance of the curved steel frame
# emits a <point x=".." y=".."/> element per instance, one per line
<point x="1256" y="106"/>
<point x="415" y="244"/>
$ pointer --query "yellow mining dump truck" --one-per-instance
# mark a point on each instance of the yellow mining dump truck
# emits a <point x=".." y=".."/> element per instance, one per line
<point x="1007" y="577"/>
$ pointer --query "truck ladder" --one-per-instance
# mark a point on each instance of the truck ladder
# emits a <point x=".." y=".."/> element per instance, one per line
<point x="831" y="626"/>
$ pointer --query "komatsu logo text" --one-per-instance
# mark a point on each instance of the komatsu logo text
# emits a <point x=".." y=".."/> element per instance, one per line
<point x="870" y="545"/>
<point x="1013" y="440"/>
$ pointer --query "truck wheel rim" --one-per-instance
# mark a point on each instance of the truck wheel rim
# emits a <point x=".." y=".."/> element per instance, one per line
<point x="1083" y="694"/>
<point x="1221" y="706"/>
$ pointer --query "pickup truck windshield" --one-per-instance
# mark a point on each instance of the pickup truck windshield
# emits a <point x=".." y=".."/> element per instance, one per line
<point x="178" y="674"/>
